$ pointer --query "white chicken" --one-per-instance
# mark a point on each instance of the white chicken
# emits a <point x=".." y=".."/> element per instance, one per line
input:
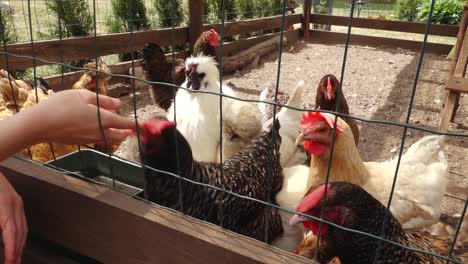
<point x="197" y="114"/>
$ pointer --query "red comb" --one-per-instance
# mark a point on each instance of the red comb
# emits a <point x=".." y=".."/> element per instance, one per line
<point x="154" y="127"/>
<point x="311" y="200"/>
<point x="329" y="86"/>
<point x="313" y="117"/>
<point x="212" y="37"/>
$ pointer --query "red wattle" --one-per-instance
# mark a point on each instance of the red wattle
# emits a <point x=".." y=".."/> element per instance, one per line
<point x="314" y="148"/>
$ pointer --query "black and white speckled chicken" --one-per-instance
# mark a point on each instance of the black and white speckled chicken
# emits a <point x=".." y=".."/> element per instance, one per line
<point x="246" y="173"/>
<point x="350" y="206"/>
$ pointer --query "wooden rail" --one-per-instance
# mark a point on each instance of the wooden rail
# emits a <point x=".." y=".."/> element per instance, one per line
<point x="110" y="227"/>
<point x="71" y="49"/>
<point x="339" y="38"/>
<point x="401" y="26"/>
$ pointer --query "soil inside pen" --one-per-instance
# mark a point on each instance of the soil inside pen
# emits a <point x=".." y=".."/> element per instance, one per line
<point x="377" y="84"/>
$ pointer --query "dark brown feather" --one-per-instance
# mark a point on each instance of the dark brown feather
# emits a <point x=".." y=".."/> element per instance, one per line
<point x="202" y="46"/>
<point x="158" y="68"/>
<point x="330" y="105"/>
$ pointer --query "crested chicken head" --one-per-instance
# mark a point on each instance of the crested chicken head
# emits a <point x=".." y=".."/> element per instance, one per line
<point x="316" y="132"/>
<point x="329" y="86"/>
<point x="335" y="199"/>
<point x="212" y="37"/>
<point x="201" y="73"/>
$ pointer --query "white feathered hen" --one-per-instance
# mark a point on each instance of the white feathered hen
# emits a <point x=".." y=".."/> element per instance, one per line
<point x="197" y="114"/>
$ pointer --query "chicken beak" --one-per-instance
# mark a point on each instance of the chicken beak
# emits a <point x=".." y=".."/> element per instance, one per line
<point x="296" y="219"/>
<point x="300" y="139"/>
<point x="329" y="95"/>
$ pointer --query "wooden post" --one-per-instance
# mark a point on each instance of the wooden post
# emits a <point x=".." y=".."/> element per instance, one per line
<point x="452" y="99"/>
<point x="195" y="20"/>
<point x="306" y="18"/>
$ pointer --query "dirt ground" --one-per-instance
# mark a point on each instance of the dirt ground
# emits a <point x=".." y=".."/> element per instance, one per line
<point x="378" y="85"/>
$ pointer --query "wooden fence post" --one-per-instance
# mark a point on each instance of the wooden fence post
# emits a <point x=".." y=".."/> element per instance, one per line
<point x="306" y="18"/>
<point x="195" y="20"/>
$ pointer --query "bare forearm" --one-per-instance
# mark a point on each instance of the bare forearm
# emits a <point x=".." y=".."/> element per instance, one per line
<point x="18" y="132"/>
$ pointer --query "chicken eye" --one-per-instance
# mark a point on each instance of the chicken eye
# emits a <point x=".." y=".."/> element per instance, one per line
<point x="201" y="75"/>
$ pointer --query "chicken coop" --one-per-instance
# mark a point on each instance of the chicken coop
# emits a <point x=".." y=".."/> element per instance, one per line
<point x="93" y="204"/>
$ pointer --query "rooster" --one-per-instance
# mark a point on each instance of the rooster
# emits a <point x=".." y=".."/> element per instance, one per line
<point x="350" y="206"/>
<point x="198" y="114"/>
<point x="421" y="181"/>
<point x="326" y="99"/>
<point x="157" y="68"/>
<point x="246" y="173"/>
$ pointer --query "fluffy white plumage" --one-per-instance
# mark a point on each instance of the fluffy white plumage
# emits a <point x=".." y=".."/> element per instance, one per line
<point x="290" y="121"/>
<point x="420" y="186"/>
<point x="198" y="115"/>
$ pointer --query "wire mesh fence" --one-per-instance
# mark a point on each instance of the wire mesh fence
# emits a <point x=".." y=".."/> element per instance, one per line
<point x="30" y="17"/>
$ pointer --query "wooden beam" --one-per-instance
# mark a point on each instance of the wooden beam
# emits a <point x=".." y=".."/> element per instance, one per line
<point x="70" y="78"/>
<point x="86" y="47"/>
<point x="112" y="227"/>
<point x="460" y="37"/>
<point x="234" y="47"/>
<point x="253" y="25"/>
<point x="447" y="111"/>
<point x="339" y="38"/>
<point x="457" y="84"/>
<point x="307" y="10"/>
<point x="401" y="26"/>
<point x="195" y="20"/>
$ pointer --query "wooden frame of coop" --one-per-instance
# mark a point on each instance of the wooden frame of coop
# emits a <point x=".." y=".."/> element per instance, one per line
<point x="112" y="227"/>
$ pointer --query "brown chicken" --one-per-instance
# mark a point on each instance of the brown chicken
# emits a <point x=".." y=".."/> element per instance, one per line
<point x="326" y="99"/>
<point x="93" y="81"/>
<point x="158" y="68"/>
<point x="350" y="206"/>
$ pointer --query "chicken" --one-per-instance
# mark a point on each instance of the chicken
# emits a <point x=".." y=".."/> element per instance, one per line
<point x="198" y="114"/>
<point x="206" y="44"/>
<point x="350" y="206"/>
<point x="307" y="249"/>
<point x="20" y="83"/>
<point x="421" y="180"/>
<point x="247" y="173"/>
<point x="158" y="68"/>
<point x="93" y="81"/>
<point x="326" y="99"/>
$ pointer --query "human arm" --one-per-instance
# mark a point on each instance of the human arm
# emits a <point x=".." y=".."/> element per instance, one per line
<point x="13" y="223"/>
<point x="68" y="117"/>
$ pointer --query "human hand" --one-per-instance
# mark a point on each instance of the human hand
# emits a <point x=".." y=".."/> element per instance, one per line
<point x="71" y="117"/>
<point x="12" y="222"/>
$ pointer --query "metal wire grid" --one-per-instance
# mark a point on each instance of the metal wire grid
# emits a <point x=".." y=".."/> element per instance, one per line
<point x="405" y="125"/>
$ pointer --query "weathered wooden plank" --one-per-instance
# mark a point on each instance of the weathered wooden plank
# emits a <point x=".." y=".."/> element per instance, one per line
<point x="401" y="26"/>
<point x="457" y="84"/>
<point x="89" y="47"/>
<point x="307" y="9"/>
<point x="339" y="38"/>
<point x="195" y="20"/>
<point x="447" y="111"/>
<point x="70" y="78"/>
<point x="231" y="48"/>
<point x="113" y="228"/>
<point x="253" y="25"/>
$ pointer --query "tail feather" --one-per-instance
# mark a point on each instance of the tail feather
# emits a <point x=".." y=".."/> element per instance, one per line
<point x="296" y="98"/>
